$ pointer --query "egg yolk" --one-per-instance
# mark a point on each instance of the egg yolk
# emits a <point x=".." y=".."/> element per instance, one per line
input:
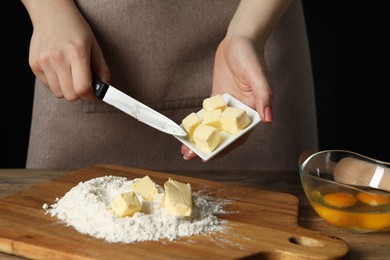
<point x="373" y="199"/>
<point x="341" y="217"/>
<point x="334" y="217"/>
<point x="373" y="221"/>
<point x="340" y="199"/>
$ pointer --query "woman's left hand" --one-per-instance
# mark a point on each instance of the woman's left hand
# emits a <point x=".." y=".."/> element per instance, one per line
<point x="240" y="70"/>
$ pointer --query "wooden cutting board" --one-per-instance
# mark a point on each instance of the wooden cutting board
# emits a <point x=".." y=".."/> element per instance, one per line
<point x="262" y="224"/>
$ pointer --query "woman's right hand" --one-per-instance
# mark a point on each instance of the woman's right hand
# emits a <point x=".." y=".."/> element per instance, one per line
<point x="63" y="49"/>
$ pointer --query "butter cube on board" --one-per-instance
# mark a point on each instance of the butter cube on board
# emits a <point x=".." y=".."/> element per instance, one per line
<point x="126" y="204"/>
<point x="178" y="198"/>
<point x="146" y="188"/>
<point x="225" y="138"/>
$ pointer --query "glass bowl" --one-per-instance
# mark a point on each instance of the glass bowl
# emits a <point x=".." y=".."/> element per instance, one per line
<point x="348" y="190"/>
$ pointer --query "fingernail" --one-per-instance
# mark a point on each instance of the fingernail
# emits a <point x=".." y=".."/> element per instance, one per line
<point x="184" y="156"/>
<point x="268" y="114"/>
<point x="189" y="156"/>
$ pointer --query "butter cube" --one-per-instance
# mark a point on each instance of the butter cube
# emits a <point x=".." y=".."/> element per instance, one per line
<point x="214" y="102"/>
<point x="212" y="118"/>
<point x="146" y="188"/>
<point x="178" y="198"/>
<point x="189" y="123"/>
<point x="234" y="120"/>
<point x="126" y="204"/>
<point x="207" y="137"/>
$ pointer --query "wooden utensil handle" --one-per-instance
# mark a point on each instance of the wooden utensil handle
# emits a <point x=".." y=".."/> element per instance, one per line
<point x="355" y="171"/>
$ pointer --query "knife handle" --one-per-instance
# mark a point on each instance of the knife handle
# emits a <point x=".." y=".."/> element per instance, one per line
<point x="99" y="87"/>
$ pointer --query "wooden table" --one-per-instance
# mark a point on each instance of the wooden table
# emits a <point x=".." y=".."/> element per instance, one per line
<point x="373" y="246"/>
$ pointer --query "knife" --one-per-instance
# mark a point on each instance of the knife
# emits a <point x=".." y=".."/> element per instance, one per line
<point x="136" y="109"/>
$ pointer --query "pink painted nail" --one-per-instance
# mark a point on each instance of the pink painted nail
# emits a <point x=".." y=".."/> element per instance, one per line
<point x="268" y="114"/>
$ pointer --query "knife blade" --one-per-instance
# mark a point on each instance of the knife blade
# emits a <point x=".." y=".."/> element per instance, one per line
<point x="136" y="109"/>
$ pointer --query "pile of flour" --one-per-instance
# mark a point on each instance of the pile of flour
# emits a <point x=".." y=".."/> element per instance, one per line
<point x="86" y="207"/>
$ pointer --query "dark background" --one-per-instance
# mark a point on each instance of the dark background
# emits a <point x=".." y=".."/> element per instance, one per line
<point x="349" y="46"/>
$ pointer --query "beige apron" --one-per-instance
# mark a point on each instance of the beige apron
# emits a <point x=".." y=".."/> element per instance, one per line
<point x="162" y="53"/>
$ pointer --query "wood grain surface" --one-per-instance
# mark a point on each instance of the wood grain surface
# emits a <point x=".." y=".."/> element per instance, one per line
<point x="262" y="224"/>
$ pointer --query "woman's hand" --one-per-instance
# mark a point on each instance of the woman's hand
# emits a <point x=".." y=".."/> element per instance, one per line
<point x="239" y="66"/>
<point x="63" y="49"/>
<point x="240" y="70"/>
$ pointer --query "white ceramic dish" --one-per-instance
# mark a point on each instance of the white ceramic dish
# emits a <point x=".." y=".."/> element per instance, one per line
<point x="226" y="139"/>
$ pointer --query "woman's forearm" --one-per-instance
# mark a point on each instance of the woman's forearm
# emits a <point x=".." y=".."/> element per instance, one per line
<point x="43" y="10"/>
<point x="256" y="19"/>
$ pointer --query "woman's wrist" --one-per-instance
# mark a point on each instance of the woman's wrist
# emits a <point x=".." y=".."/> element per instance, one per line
<point x="255" y="19"/>
<point x="43" y="10"/>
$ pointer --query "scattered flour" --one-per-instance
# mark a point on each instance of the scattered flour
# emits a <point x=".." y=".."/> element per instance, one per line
<point x="86" y="207"/>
